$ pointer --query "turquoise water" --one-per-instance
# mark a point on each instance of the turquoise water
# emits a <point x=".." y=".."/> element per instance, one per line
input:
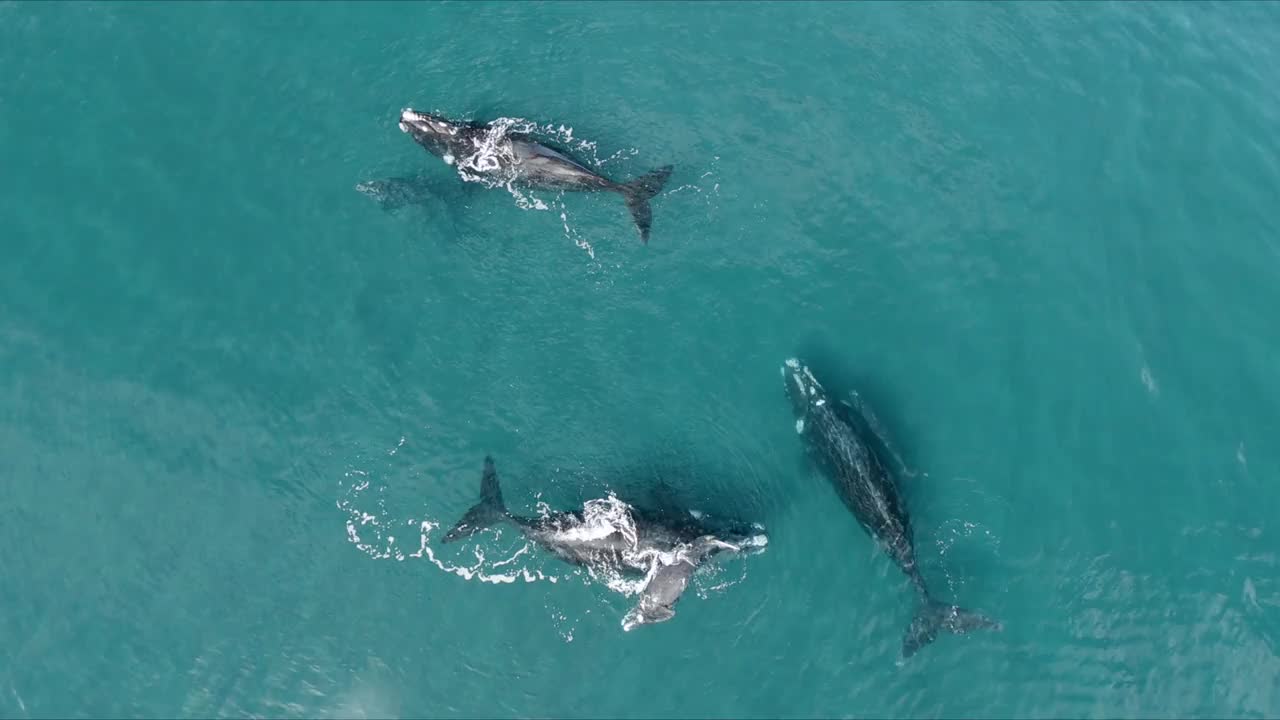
<point x="1039" y="240"/>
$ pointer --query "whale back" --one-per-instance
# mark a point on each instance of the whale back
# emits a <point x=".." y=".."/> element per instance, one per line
<point x="865" y="486"/>
<point x="545" y="167"/>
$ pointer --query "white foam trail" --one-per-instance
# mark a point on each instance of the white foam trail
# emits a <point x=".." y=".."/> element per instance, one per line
<point x="370" y="534"/>
<point x="600" y="518"/>
<point x="523" y="549"/>
<point x="573" y="235"/>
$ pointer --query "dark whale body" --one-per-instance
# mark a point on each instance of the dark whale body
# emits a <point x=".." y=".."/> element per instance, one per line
<point x="667" y="549"/>
<point x="529" y="162"/>
<point x="866" y="488"/>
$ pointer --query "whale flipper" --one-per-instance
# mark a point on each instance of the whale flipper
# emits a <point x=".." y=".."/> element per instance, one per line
<point x="486" y="513"/>
<point x="935" y="616"/>
<point x="658" y="600"/>
<point x="638" y="192"/>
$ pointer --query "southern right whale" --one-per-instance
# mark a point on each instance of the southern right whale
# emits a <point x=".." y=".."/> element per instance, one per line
<point x="666" y="549"/>
<point x="522" y="159"/>
<point x="865" y="487"/>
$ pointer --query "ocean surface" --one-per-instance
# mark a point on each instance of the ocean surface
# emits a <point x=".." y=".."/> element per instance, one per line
<point x="241" y="401"/>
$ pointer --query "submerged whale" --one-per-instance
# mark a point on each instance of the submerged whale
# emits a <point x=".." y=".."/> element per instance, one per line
<point x="394" y="193"/>
<point x="519" y="158"/>
<point x="666" y="549"/>
<point x="864" y="485"/>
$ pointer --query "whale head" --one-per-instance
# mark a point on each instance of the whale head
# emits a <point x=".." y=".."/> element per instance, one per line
<point x="432" y="132"/>
<point x="803" y="389"/>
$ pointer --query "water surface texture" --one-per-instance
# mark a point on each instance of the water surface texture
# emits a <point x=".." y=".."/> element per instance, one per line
<point x="239" y="399"/>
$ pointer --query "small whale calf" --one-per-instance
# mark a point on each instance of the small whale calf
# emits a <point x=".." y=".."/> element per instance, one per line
<point x="664" y="549"/>
<point x="519" y="158"/>
<point x="395" y="193"/>
<point x="865" y="487"/>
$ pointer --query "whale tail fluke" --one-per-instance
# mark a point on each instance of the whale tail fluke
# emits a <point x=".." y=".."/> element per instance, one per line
<point x="638" y="192"/>
<point x="488" y="512"/>
<point x="935" y="616"/>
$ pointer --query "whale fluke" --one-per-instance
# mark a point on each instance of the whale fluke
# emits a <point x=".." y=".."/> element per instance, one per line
<point x="934" y="616"/>
<point x="637" y="194"/>
<point x="488" y="512"/>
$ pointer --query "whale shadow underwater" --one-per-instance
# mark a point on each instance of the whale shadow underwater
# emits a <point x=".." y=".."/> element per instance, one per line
<point x="396" y="193"/>
<point x="661" y="546"/>
<point x="841" y="449"/>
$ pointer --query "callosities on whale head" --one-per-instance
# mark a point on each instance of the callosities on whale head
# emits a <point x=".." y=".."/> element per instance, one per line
<point x="802" y="389"/>
<point x="432" y="132"/>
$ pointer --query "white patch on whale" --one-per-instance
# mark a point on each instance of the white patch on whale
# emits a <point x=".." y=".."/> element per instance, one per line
<point x="799" y="383"/>
<point x="800" y="426"/>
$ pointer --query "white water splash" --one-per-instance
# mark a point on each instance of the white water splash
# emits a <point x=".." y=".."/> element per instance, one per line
<point x="626" y="573"/>
<point x="372" y="534"/>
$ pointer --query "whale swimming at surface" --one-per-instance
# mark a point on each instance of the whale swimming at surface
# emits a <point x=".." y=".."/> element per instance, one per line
<point x="492" y="150"/>
<point x="664" y="548"/>
<point x="866" y="488"/>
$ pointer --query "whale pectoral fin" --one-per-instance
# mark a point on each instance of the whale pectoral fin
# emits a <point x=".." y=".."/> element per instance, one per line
<point x="858" y="416"/>
<point x="658" y="600"/>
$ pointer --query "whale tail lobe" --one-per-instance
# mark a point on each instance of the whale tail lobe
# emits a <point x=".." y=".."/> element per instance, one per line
<point x="488" y="512"/>
<point x="638" y="192"/>
<point x="935" y="616"/>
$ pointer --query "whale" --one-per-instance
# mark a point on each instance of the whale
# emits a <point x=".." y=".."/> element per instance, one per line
<point x="846" y="455"/>
<point x="493" y="150"/>
<point x="395" y="193"/>
<point x="665" y="548"/>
